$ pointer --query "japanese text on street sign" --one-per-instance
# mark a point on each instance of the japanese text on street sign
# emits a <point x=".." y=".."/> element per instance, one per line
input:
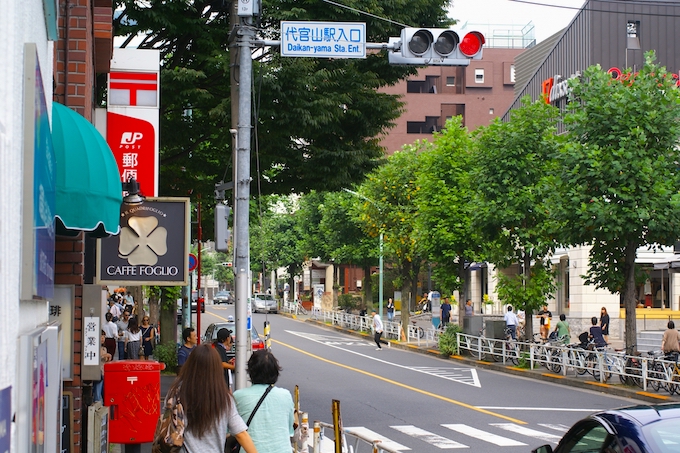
<point x="323" y="39"/>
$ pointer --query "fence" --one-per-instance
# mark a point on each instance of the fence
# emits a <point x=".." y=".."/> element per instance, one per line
<point x="602" y="363"/>
<point x="352" y="442"/>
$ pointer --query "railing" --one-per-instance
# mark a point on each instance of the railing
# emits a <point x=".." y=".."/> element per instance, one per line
<point x="602" y="363"/>
<point x="352" y="442"/>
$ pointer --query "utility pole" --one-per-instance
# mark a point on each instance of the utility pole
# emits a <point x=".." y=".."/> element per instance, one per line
<point x="245" y="34"/>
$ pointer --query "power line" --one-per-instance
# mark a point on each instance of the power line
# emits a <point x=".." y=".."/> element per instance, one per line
<point x="364" y="13"/>
<point x="596" y="10"/>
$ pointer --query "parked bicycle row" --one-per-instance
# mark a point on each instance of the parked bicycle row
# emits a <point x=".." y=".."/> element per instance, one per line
<point x="655" y="369"/>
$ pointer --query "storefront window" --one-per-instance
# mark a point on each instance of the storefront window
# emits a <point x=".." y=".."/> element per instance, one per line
<point x="653" y="292"/>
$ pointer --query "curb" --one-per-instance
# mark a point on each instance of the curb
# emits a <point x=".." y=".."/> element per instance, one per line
<point x="539" y="374"/>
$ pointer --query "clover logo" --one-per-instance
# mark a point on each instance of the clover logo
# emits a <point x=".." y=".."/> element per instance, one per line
<point x="143" y="241"/>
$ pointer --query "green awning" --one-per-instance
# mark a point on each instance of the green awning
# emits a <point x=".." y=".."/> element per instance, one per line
<point x="88" y="192"/>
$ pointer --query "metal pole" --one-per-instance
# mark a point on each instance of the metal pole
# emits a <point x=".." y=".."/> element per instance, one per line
<point x="380" y="278"/>
<point x="199" y="235"/>
<point x="246" y="34"/>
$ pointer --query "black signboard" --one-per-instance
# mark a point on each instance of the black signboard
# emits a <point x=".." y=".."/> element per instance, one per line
<point x="152" y="247"/>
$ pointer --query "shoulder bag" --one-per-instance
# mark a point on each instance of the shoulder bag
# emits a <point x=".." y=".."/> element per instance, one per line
<point x="232" y="445"/>
<point x="169" y="435"/>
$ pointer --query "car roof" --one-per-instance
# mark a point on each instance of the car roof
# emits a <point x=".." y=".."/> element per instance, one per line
<point x="642" y="414"/>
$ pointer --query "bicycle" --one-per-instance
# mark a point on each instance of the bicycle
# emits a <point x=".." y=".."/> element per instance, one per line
<point x="656" y="371"/>
<point x="512" y="348"/>
<point x="673" y="374"/>
<point x="632" y="368"/>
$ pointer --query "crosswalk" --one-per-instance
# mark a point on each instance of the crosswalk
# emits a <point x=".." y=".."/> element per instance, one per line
<point x="496" y="434"/>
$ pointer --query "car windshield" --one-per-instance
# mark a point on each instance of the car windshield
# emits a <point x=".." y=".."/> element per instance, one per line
<point x="264" y="297"/>
<point x="663" y="436"/>
<point x="223" y="293"/>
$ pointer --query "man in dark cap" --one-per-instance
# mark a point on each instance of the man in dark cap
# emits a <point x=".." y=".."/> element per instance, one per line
<point x="223" y="346"/>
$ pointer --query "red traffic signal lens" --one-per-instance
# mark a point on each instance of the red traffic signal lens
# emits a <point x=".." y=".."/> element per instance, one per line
<point x="446" y="43"/>
<point x="472" y="43"/>
<point x="420" y="42"/>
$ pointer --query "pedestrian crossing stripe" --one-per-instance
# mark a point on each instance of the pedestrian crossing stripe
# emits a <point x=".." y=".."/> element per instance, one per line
<point x="430" y="438"/>
<point x="445" y="443"/>
<point x="483" y="435"/>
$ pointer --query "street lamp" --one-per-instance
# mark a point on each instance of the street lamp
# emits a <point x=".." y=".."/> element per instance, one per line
<point x="380" y="261"/>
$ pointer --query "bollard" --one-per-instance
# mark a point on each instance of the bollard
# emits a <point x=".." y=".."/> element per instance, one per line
<point x="317" y="437"/>
<point x="267" y="338"/>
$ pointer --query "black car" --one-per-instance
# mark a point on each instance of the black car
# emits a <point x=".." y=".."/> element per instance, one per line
<point x="222" y="297"/>
<point x="651" y="428"/>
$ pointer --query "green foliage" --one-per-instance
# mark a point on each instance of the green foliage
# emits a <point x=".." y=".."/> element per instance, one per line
<point x="448" y="340"/>
<point x="524" y="360"/>
<point x="444" y="197"/>
<point x="348" y="301"/>
<point x="166" y="353"/>
<point x="526" y="293"/>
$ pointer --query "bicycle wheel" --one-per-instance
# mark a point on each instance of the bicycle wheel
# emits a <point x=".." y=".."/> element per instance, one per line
<point x="657" y="373"/>
<point x="578" y="361"/>
<point x="555" y="363"/>
<point x="514" y="354"/>
<point x="674" y="384"/>
<point x="421" y="332"/>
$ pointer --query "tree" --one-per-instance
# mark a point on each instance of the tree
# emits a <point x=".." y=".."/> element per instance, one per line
<point x="514" y="161"/>
<point x="316" y="120"/>
<point x="388" y="207"/>
<point x="444" y="225"/>
<point x="619" y="179"/>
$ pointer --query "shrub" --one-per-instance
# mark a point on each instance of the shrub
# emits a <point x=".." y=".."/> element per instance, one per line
<point x="448" y="340"/>
<point x="167" y="354"/>
<point x="347" y="301"/>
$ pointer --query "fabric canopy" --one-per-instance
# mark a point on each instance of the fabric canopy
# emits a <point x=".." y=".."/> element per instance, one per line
<point x="88" y="185"/>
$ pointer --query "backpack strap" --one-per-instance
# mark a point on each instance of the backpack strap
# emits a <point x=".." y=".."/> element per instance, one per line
<point x="257" y="406"/>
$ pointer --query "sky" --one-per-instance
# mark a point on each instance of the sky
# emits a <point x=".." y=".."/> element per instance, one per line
<point x="548" y="16"/>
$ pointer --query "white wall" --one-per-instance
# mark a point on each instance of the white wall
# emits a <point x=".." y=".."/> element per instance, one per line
<point x="21" y="21"/>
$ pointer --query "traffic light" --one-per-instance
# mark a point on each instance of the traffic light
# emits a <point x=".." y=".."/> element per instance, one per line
<point x="435" y="46"/>
<point x="222" y="231"/>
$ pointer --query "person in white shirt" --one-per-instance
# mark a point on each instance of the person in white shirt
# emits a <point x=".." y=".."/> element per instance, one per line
<point x="511" y="322"/>
<point x="378" y="329"/>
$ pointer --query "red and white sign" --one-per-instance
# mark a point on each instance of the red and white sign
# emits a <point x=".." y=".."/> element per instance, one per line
<point x="132" y="120"/>
<point x="133" y="142"/>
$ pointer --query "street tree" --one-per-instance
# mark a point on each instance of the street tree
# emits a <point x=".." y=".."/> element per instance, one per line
<point x="320" y="117"/>
<point x="619" y="178"/>
<point x="513" y="162"/>
<point x="386" y="204"/>
<point x="444" y="226"/>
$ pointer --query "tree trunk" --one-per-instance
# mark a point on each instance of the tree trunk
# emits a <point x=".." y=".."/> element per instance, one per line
<point x="629" y="301"/>
<point x="154" y="310"/>
<point x="462" y="295"/>
<point x="168" y="319"/>
<point x="528" y="314"/>
<point x="368" y="287"/>
<point x="405" y="299"/>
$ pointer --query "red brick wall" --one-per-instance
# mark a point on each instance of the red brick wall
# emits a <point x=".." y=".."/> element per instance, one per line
<point x="68" y="270"/>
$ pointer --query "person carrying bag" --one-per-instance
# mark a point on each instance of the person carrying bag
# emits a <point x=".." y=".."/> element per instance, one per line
<point x="232" y="445"/>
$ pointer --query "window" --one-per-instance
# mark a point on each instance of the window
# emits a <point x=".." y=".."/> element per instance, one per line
<point x="451" y="81"/>
<point x="490" y="111"/>
<point x="479" y="75"/>
<point x="591" y="437"/>
<point x="633" y="35"/>
<point x="512" y="73"/>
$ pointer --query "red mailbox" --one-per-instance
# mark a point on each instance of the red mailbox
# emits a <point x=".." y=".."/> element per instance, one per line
<point x="132" y="390"/>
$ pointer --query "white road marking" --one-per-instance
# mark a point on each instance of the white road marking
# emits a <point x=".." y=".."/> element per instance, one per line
<point x="431" y="438"/>
<point x="483" y="435"/>
<point x="463" y="375"/>
<point x="523" y="430"/>
<point x="558" y="427"/>
<point x="384" y="441"/>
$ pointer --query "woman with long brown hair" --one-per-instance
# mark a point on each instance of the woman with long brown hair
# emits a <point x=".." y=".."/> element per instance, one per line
<point x="208" y="405"/>
<point x="133" y="340"/>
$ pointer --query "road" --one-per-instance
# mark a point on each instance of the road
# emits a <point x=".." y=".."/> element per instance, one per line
<point x="418" y="402"/>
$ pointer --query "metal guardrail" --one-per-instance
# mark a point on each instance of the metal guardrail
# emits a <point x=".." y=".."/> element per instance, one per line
<point x="603" y="364"/>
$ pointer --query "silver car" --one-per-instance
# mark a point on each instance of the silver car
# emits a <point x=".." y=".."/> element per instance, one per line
<point x="264" y="303"/>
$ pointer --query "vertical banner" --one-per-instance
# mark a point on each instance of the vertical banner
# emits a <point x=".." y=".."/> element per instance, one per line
<point x="132" y="120"/>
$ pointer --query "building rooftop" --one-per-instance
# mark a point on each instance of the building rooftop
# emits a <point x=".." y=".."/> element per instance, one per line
<point x="506" y="36"/>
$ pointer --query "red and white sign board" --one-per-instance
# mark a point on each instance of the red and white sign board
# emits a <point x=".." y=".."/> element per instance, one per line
<point x="132" y="120"/>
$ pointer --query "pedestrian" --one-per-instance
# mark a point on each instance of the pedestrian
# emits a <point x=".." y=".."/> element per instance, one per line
<point x="133" y="340"/>
<point x="445" y="312"/>
<point x="189" y="342"/>
<point x="670" y="343"/>
<point x="604" y="323"/>
<point x="122" y="325"/>
<point x="378" y="330"/>
<point x="596" y="334"/>
<point x="114" y="310"/>
<point x="104" y="357"/>
<point x="562" y="329"/>
<point x="390" y="309"/>
<point x="468" y="308"/>
<point x="511" y="322"/>
<point x="223" y="347"/>
<point x="272" y="425"/>
<point x="545" y="316"/>
<point x="111" y="334"/>
<point x="209" y="407"/>
<point x="148" y="337"/>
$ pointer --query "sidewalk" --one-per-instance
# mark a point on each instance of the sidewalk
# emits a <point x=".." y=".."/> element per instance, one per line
<point x="613" y="387"/>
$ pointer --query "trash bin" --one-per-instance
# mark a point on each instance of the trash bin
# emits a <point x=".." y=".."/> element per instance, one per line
<point x="132" y="391"/>
<point x="495" y="329"/>
<point x="472" y="325"/>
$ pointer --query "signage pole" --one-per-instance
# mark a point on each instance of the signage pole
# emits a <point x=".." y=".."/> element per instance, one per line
<point x="246" y="34"/>
<point x="198" y="270"/>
